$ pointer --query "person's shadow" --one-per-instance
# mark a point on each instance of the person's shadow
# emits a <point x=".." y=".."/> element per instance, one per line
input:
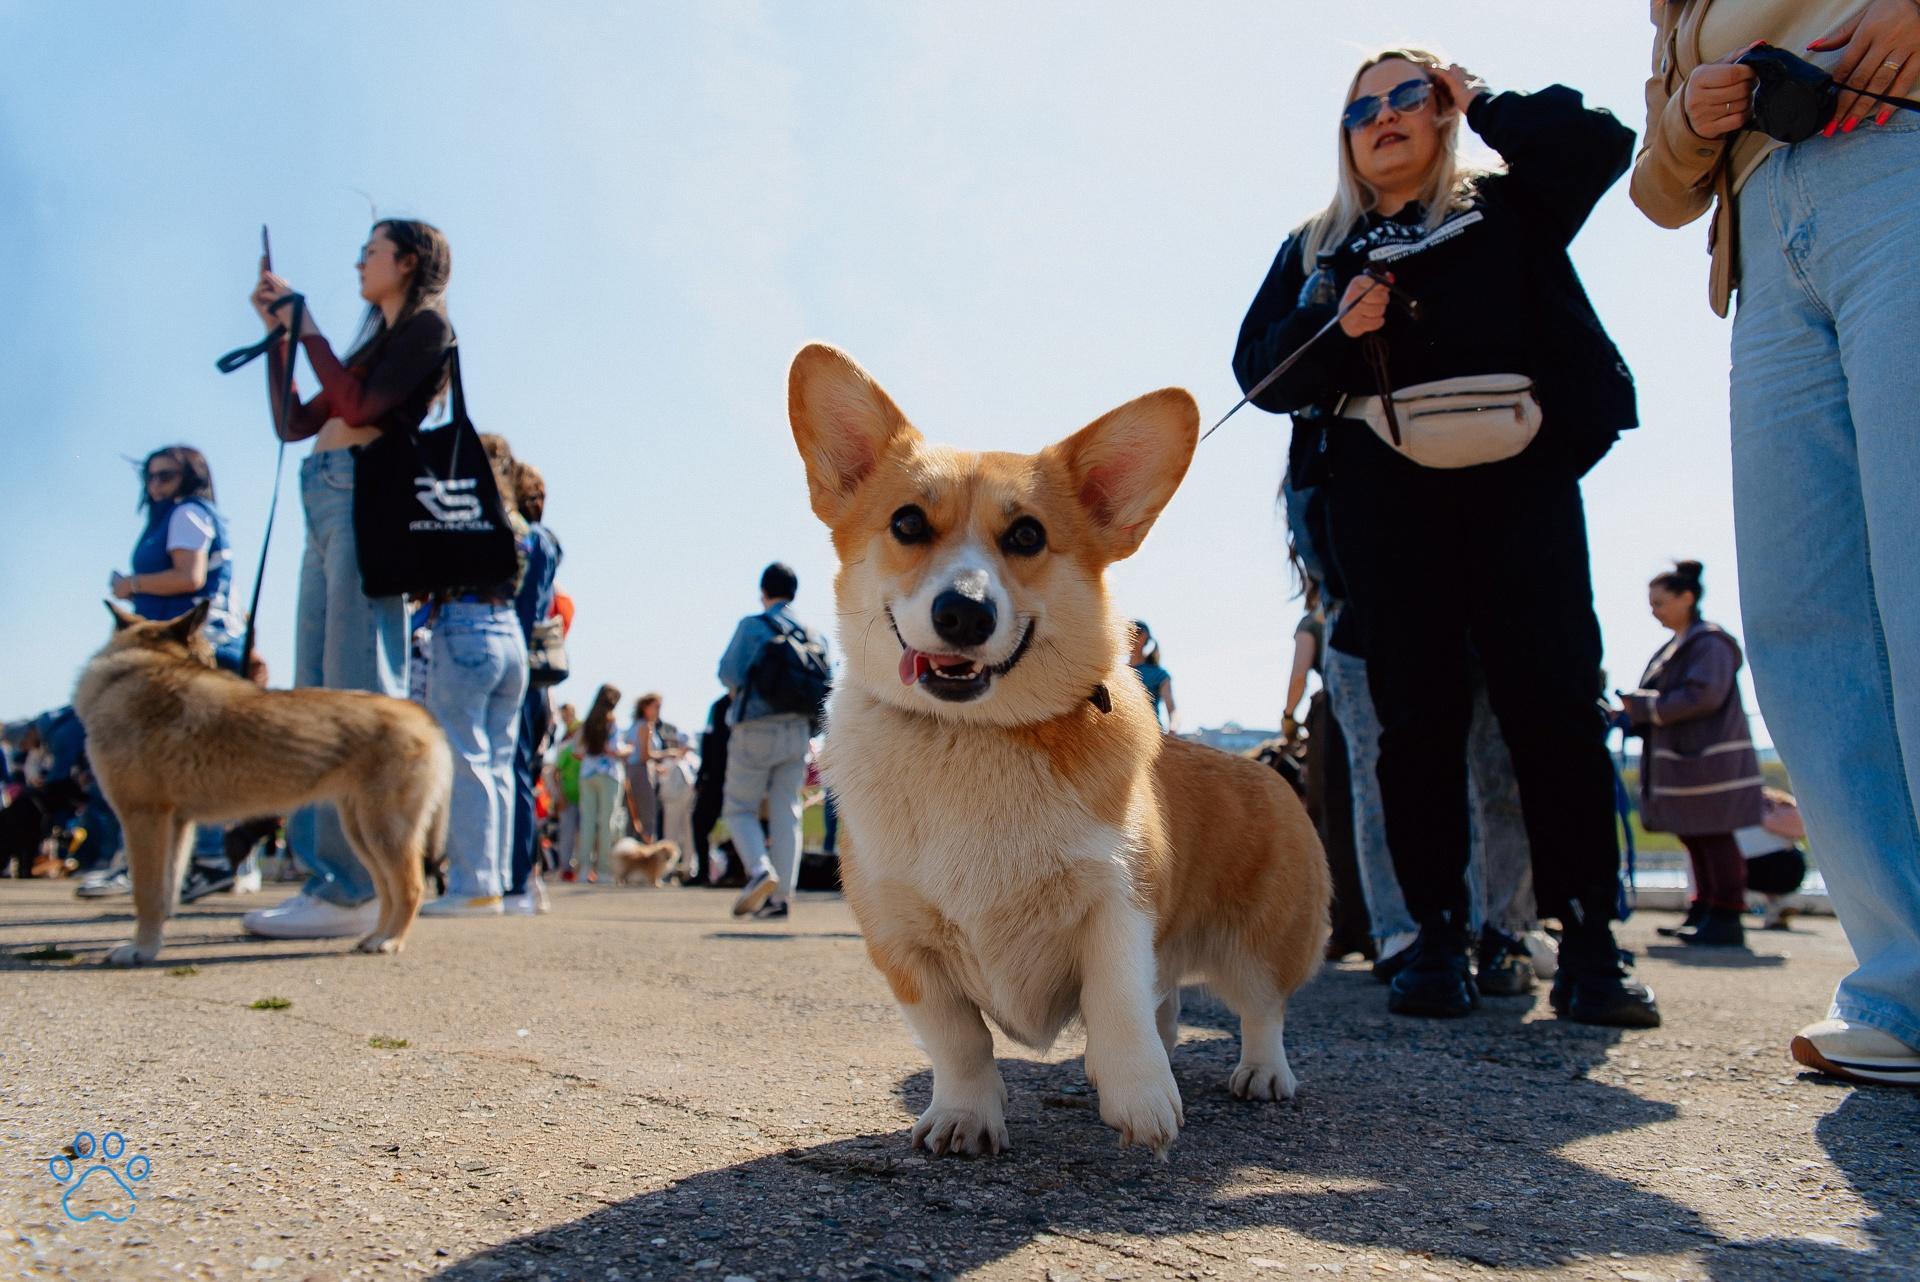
<point x="1874" y="1138"/>
<point x="1443" y="1139"/>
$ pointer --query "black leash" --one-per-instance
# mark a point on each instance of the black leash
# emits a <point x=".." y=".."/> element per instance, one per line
<point x="237" y="359"/>
<point x="1399" y="295"/>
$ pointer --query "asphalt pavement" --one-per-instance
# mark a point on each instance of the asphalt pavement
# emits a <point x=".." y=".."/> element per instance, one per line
<point x="638" y="1086"/>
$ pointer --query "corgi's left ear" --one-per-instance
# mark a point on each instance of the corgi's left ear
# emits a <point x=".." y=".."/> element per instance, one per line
<point x="1125" y="465"/>
<point x="842" y="422"/>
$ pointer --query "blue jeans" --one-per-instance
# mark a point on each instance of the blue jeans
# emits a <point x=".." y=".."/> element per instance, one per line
<point x="342" y="640"/>
<point x="477" y="686"/>
<point x="1500" y="865"/>
<point x="1826" y="473"/>
<point x="767" y="761"/>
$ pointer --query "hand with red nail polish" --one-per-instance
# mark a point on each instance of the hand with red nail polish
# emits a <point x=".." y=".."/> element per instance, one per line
<point x="1879" y="52"/>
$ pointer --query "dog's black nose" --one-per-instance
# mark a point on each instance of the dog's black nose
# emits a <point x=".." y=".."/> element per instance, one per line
<point x="961" y="620"/>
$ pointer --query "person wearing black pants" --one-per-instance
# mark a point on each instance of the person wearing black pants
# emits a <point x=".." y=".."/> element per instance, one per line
<point x="1461" y="388"/>
<point x="708" y="786"/>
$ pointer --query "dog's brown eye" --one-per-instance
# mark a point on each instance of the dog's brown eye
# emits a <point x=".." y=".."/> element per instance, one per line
<point x="909" y="525"/>
<point x="1025" y="537"/>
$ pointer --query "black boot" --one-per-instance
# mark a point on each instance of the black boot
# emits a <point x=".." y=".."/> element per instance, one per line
<point x="1696" y="913"/>
<point x="1721" y="928"/>
<point x="1593" y="986"/>
<point x="1438" y="979"/>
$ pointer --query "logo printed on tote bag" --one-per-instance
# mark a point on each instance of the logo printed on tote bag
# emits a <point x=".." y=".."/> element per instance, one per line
<point x="452" y="504"/>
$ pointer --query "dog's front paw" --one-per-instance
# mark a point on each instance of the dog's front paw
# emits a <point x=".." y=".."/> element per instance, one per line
<point x="378" y="943"/>
<point x="971" y="1122"/>
<point x="130" y="954"/>
<point x="1263" y="1081"/>
<point x="1139" y="1099"/>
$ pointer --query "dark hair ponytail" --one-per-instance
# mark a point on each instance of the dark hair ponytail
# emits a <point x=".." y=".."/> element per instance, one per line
<point x="1685" y="576"/>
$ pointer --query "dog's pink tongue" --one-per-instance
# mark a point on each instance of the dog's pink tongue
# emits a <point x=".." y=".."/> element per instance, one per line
<point x="915" y="664"/>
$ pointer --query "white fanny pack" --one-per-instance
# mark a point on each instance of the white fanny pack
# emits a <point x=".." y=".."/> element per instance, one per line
<point x="1455" y="422"/>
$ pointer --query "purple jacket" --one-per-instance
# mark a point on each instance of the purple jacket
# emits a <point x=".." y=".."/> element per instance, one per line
<point x="1699" y="774"/>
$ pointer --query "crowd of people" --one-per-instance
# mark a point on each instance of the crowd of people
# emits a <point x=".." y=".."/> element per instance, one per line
<point x="1449" y="385"/>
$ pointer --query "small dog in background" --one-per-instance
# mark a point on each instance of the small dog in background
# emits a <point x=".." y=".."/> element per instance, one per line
<point x="174" y="741"/>
<point x="648" y="861"/>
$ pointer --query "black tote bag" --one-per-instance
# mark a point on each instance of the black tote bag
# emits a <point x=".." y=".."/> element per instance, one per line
<point x="427" y="516"/>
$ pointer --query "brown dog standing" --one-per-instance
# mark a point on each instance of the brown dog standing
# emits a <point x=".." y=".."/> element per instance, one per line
<point x="174" y="741"/>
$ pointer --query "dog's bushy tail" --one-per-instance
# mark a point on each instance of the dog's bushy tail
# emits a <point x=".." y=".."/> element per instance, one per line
<point x="442" y="811"/>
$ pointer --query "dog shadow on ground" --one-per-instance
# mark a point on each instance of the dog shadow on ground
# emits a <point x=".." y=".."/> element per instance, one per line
<point x="1439" y="1139"/>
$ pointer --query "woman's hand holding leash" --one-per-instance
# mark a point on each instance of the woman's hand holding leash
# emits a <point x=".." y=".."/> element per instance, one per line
<point x="1719" y="97"/>
<point x="1363" y="308"/>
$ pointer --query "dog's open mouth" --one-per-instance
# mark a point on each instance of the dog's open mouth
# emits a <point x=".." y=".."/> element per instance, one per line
<point x="953" y="677"/>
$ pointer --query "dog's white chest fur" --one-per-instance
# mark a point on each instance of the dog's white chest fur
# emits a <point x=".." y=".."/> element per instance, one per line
<point x="973" y="850"/>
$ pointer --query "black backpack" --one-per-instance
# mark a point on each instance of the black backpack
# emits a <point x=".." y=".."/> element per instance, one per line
<point x="791" y="674"/>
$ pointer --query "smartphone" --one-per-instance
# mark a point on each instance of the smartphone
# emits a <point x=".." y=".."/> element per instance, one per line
<point x="266" y="249"/>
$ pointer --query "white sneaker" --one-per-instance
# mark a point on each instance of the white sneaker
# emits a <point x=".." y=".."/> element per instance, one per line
<point x="1857" y="1053"/>
<point x="1545" y="953"/>
<point x="247" y="881"/>
<point x="463" y="906"/>
<point x="105" y="885"/>
<point x="756" y="892"/>
<point x="307" y="917"/>
<point x="530" y="902"/>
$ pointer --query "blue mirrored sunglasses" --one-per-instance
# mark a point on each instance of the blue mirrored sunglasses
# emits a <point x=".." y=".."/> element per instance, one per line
<point x="1408" y="95"/>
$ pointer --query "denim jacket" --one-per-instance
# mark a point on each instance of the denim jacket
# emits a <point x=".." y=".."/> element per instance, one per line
<point x="749" y="640"/>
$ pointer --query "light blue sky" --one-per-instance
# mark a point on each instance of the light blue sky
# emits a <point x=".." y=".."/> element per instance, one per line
<point x="1016" y="215"/>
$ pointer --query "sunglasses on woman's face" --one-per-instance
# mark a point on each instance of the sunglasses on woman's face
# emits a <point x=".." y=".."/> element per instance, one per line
<point x="162" y="474"/>
<point x="1408" y="95"/>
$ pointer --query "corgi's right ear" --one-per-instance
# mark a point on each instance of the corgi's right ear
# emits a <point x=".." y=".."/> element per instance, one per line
<point x="122" y="619"/>
<point x="842" y="422"/>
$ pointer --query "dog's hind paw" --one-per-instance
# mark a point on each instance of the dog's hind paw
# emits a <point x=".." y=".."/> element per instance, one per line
<point x="129" y="954"/>
<point x="378" y="943"/>
<point x="975" y="1132"/>
<point x="1263" y="1081"/>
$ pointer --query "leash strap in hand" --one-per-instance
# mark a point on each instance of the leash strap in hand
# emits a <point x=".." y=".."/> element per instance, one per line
<point x="227" y="364"/>
<point x="1294" y="358"/>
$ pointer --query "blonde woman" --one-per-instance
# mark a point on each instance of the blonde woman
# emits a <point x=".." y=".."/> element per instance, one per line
<point x="1460" y="534"/>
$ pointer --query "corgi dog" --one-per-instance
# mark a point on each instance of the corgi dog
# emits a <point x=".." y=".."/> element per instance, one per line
<point x="1021" y="841"/>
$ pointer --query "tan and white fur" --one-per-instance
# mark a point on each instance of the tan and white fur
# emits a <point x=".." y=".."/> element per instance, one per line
<point x="1011" y="849"/>
<point x="647" y="861"/>
<point x="174" y="742"/>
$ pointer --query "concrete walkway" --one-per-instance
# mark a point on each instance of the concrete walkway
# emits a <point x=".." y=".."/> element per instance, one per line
<point x="638" y="1087"/>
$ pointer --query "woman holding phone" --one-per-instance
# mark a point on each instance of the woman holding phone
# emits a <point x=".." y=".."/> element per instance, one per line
<point x="1451" y="444"/>
<point x="344" y="640"/>
<point x="1817" y="237"/>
